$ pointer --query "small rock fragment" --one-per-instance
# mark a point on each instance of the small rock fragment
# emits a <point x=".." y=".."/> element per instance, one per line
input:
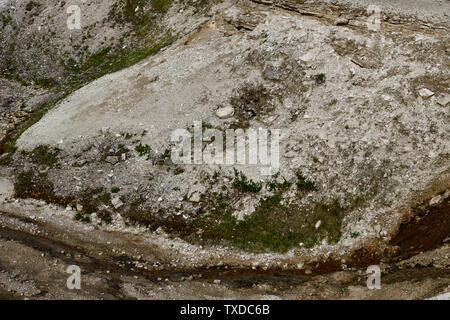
<point x="318" y="223"/>
<point x="225" y="112"/>
<point x="340" y="21"/>
<point x="290" y="154"/>
<point x="425" y="93"/>
<point x="443" y="100"/>
<point x="112" y="159"/>
<point x="195" y="197"/>
<point x="308" y="57"/>
<point x="117" y="203"/>
<point x="436" y="200"/>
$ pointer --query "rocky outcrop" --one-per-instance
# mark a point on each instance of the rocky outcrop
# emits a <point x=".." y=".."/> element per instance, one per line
<point x="361" y="114"/>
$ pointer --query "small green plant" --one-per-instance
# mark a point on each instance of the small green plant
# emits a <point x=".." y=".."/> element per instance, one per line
<point x="82" y="218"/>
<point x="161" y="6"/>
<point x="91" y="199"/>
<point x="30" y="5"/>
<point x="115" y="189"/>
<point x="274" y="185"/>
<point x="178" y="170"/>
<point x="105" y="216"/>
<point x="6" y="18"/>
<point x="242" y="183"/>
<point x="165" y="154"/>
<point x="354" y="234"/>
<point x="304" y="184"/>
<point x="143" y="149"/>
<point x="320" y="78"/>
<point x="251" y="102"/>
<point x="44" y="155"/>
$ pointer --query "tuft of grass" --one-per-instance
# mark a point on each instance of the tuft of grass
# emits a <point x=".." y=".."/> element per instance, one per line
<point x="109" y="60"/>
<point x="161" y="6"/>
<point x="251" y="102"/>
<point x="95" y="60"/>
<point x="320" y="78"/>
<point x="29" y="184"/>
<point x="92" y="198"/>
<point x="178" y="170"/>
<point x="274" y="185"/>
<point x="45" y="155"/>
<point x="304" y="184"/>
<point x="165" y="154"/>
<point x="354" y="234"/>
<point x="242" y="183"/>
<point x="143" y="149"/>
<point x="154" y="219"/>
<point x="31" y="5"/>
<point x="115" y="189"/>
<point x="6" y="18"/>
<point x="82" y="218"/>
<point x="105" y="216"/>
<point x="273" y="226"/>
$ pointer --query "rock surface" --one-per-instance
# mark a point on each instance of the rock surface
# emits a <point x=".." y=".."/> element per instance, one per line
<point x="362" y="118"/>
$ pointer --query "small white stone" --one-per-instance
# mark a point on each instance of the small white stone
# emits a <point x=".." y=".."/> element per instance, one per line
<point x="443" y="100"/>
<point x="290" y="154"/>
<point x="436" y="200"/>
<point x="340" y="21"/>
<point x="318" y="223"/>
<point x="225" y="112"/>
<point x="195" y="197"/>
<point x="425" y="93"/>
<point x="307" y="57"/>
<point x="117" y="203"/>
